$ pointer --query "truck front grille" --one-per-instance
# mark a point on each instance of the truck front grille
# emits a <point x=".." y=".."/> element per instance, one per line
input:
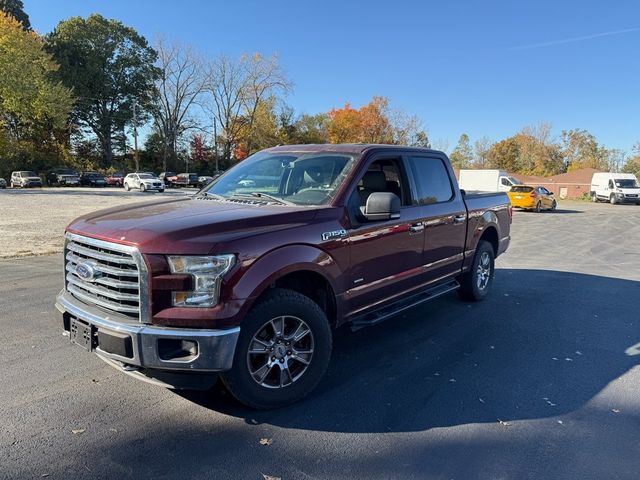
<point x="106" y="275"/>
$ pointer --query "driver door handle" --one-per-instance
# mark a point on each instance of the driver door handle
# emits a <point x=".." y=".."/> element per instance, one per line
<point x="459" y="218"/>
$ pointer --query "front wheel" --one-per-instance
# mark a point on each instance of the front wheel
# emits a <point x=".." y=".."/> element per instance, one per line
<point x="554" y="205"/>
<point x="142" y="187"/>
<point x="282" y="353"/>
<point x="538" y="207"/>
<point x="126" y="186"/>
<point x="613" y="200"/>
<point x="475" y="284"/>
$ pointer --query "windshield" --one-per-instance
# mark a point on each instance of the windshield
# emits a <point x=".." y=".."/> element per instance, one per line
<point x="514" y="181"/>
<point x="626" y="183"/>
<point x="28" y="174"/>
<point x="145" y="175"/>
<point x="299" y="178"/>
<point x="522" y="189"/>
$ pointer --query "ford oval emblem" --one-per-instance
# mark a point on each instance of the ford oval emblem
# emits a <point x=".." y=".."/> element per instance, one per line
<point x="86" y="272"/>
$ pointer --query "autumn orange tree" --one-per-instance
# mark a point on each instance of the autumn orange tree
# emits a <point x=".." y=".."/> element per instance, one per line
<point x="375" y="122"/>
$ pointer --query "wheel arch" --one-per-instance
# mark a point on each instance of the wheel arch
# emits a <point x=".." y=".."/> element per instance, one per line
<point x="301" y="268"/>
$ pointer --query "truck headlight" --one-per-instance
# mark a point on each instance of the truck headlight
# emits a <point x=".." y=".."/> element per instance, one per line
<point x="207" y="273"/>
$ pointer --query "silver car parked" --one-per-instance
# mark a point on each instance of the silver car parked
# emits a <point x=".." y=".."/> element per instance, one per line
<point x="143" y="181"/>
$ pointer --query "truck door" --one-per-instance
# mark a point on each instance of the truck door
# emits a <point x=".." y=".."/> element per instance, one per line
<point x="386" y="256"/>
<point x="443" y="214"/>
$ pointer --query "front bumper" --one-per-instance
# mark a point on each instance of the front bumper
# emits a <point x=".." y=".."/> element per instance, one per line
<point x="146" y="348"/>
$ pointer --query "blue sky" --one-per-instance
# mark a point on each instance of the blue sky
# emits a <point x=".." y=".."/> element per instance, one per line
<point x="484" y="68"/>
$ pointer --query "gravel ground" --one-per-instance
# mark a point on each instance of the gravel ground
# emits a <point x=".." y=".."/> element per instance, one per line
<point x="32" y="221"/>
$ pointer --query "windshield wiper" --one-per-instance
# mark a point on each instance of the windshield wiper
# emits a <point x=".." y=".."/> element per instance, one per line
<point x="264" y="195"/>
<point x="214" y="195"/>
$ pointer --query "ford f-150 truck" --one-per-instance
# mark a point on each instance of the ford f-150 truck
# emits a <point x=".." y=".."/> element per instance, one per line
<point x="247" y="278"/>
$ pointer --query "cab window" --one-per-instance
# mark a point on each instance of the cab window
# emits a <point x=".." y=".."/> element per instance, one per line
<point x="432" y="180"/>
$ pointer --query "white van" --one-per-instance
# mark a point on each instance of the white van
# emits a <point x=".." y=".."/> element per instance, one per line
<point x="615" y="188"/>
<point x="486" y="181"/>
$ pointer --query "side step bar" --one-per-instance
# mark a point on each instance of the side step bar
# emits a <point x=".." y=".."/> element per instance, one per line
<point x="377" y="316"/>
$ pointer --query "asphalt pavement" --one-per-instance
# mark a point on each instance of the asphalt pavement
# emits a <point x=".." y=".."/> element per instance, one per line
<point x="539" y="381"/>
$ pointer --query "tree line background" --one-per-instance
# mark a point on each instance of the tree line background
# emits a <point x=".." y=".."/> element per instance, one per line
<point x="77" y="95"/>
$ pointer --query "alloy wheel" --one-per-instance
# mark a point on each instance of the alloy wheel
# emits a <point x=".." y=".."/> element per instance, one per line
<point x="483" y="272"/>
<point x="280" y="352"/>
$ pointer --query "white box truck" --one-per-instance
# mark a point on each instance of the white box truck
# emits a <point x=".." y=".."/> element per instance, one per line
<point x="486" y="181"/>
<point x="615" y="188"/>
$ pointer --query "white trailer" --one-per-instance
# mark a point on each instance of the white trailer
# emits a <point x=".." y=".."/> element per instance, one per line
<point x="486" y="181"/>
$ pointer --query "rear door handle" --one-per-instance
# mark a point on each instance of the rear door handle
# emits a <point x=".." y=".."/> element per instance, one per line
<point x="416" y="227"/>
<point x="459" y="218"/>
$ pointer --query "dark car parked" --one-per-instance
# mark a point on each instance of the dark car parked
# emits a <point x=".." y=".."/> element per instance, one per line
<point x="3" y="183"/>
<point x="92" y="179"/>
<point x="59" y="177"/>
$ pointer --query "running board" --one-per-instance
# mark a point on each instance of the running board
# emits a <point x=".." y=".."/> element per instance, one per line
<point x="373" y="318"/>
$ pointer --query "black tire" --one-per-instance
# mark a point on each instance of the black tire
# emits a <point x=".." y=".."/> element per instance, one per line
<point x="279" y="303"/>
<point x="126" y="186"/>
<point x="612" y="199"/>
<point x="554" y="206"/>
<point x="594" y="197"/>
<point x="143" y="188"/>
<point x="470" y="287"/>
<point x="161" y="190"/>
<point x="538" y="207"/>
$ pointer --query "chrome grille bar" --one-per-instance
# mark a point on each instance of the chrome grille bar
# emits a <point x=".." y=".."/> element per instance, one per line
<point x="109" y="275"/>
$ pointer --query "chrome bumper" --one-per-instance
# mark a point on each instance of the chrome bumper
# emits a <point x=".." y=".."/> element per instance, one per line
<point x="215" y="348"/>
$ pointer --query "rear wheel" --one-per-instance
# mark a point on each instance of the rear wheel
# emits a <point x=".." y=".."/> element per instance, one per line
<point x="142" y="187"/>
<point x="594" y="197"/>
<point x="475" y="284"/>
<point x="282" y="353"/>
<point x="554" y="205"/>
<point x="538" y="207"/>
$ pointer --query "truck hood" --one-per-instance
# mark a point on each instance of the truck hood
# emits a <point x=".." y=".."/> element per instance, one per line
<point x="186" y="225"/>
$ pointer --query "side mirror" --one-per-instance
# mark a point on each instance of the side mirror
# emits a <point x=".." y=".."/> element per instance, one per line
<point x="381" y="206"/>
<point x="550" y="193"/>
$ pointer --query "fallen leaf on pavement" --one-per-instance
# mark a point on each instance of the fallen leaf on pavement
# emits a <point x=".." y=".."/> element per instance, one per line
<point x="270" y="477"/>
<point x="481" y="400"/>
<point x="45" y="475"/>
<point x="78" y="431"/>
<point x="615" y="410"/>
<point x="504" y="424"/>
<point x="266" y="441"/>
<point x="560" y="422"/>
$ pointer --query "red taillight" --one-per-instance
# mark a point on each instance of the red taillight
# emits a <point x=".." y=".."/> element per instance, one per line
<point x="533" y="194"/>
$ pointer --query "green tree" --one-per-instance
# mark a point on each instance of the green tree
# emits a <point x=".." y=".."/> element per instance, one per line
<point x="15" y="8"/>
<point x="462" y="155"/>
<point x="110" y="68"/>
<point x="33" y="107"/>
<point x="581" y="150"/>
<point x="504" y="155"/>
<point x="632" y="164"/>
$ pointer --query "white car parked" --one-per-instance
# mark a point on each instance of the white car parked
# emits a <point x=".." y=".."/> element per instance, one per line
<point x="143" y="181"/>
<point x="615" y="188"/>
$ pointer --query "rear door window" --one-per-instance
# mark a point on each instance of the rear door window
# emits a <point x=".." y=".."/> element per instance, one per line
<point x="432" y="180"/>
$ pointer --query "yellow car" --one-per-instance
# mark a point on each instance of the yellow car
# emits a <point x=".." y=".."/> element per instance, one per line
<point x="532" y="198"/>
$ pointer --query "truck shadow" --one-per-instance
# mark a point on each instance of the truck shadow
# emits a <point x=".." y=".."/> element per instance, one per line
<point x="543" y="344"/>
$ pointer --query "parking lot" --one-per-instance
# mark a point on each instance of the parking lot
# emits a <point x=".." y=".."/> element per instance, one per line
<point x="33" y="220"/>
<point x="538" y="381"/>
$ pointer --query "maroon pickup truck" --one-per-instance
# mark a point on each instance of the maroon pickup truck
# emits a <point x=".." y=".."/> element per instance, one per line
<point x="247" y="278"/>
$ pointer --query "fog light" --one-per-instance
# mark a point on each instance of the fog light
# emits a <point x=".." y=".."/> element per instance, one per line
<point x="177" y="350"/>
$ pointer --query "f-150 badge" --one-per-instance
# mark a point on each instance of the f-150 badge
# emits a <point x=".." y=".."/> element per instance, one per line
<point x="334" y="235"/>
